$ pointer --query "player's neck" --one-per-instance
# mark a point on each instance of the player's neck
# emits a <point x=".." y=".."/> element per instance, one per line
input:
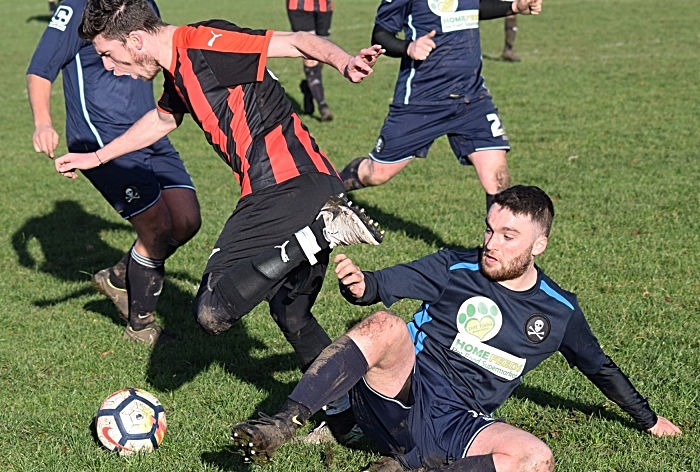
<point x="163" y="46"/>
<point x="524" y="282"/>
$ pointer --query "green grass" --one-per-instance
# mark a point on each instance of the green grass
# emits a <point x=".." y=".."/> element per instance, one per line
<point x="602" y="113"/>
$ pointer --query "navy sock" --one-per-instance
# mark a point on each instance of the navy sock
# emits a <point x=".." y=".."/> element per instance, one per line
<point x="336" y="370"/>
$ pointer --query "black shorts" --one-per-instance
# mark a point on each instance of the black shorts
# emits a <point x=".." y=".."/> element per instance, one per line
<point x="271" y="216"/>
<point x="318" y="22"/>
<point x="434" y="429"/>
<point x="133" y="182"/>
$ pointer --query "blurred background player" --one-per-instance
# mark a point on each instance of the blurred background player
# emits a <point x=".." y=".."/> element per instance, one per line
<point x="511" y="26"/>
<point x="150" y="188"/>
<point x="53" y="4"/>
<point x="439" y="90"/>
<point x="312" y="16"/>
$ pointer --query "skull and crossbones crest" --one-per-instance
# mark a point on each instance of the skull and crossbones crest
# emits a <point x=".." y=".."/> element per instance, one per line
<point x="537" y="328"/>
<point x="131" y="194"/>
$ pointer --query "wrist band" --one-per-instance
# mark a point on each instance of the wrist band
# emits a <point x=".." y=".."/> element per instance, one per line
<point x="98" y="158"/>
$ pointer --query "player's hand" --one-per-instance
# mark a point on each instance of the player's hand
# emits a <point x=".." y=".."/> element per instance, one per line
<point x="360" y="66"/>
<point x="527" y="7"/>
<point x="421" y="48"/>
<point x="67" y="164"/>
<point x="45" y="140"/>
<point x="350" y="275"/>
<point x="664" y="427"/>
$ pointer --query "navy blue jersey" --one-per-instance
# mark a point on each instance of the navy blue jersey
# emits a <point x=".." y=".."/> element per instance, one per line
<point x="99" y="105"/>
<point x="481" y="336"/>
<point x="453" y="69"/>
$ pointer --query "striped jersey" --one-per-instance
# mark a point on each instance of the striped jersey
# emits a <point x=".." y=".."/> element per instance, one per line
<point x="99" y="105"/>
<point x="218" y="75"/>
<point x="310" y="5"/>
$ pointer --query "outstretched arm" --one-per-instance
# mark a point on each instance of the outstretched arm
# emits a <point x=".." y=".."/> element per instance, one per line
<point x="310" y="46"/>
<point x="147" y="130"/>
<point x="617" y="387"/>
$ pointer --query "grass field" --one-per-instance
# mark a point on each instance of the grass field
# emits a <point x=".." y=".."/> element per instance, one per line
<point x="602" y="113"/>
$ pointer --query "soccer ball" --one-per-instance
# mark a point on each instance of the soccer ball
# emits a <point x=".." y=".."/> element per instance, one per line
<point x="130" y="420"/>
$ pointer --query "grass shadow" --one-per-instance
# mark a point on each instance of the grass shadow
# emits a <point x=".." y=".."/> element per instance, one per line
<point x="391" y="222"/>
<point x="546" y="399"/>
<point x="39" y="18"/>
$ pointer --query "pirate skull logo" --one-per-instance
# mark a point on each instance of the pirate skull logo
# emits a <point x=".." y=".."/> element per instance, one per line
<point x="537" y="328"/>
<point x="131" y="194"/>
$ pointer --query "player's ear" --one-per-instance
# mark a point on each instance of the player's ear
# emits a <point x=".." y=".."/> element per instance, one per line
<point x="540" y="245"/>
<point x="135" y="40"/>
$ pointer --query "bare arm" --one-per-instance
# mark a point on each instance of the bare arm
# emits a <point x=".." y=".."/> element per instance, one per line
<point x="45" y="138"/>
<point x="310" y="46"/>
<point x="147" y="130"/>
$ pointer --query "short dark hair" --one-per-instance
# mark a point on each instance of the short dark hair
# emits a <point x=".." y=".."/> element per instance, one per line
<point x="115" y="19"/>
<point x="530" y="201"/>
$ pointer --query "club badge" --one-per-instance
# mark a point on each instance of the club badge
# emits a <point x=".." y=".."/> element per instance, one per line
<point x="131" y="193"/>
<point x="380" y="144"/>
<point x="537" y="328"/>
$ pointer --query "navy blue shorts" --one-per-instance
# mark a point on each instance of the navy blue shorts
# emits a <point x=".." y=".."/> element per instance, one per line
<point x="132" y="183"/>
<point x="318" y="22"/>
<point x="436" y="428"/>
<point x="410" y="130"/>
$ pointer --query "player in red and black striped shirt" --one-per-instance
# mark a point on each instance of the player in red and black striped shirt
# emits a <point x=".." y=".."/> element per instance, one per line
<point x="275" y="246"/>
<point x="312" y="16"/>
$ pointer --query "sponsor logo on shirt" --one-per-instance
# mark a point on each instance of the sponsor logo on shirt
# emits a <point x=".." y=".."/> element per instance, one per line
<point x="61" y="18"/>
<point x="440" y="7"/>
<point x="460" y="20"/>
<point x="478" y="320"/>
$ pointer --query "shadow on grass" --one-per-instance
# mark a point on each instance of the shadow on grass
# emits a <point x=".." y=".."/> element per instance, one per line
<point x="39" y="18"/>
<point x="71" y="249"/>
<point x="547" y="399"/>
<point x="227" y="459"/>
<point x="390" y="222"/>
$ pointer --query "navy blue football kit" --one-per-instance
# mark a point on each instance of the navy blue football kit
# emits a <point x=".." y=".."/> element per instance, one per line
<point x="101" y="107"/>
<point x="446" y="87"/>
<point x="475" y="339"/>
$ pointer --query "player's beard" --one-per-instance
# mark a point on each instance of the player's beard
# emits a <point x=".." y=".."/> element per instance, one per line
<point x="147" y="63"/>
<point x="510" y="270"/>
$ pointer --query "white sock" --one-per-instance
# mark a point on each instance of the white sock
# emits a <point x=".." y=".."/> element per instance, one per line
<point x="308" y="244"/>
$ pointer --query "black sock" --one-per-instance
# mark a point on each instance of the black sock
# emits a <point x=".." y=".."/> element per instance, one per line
<point x="117" y="273"/>
<point x="349" y="175"/>
<point x="317" y="228"/>
<point x="332" y="374"/>
<point x="315" y="83"/>
<point x="144" y="279"/>
<point x="469" y="464"/>
<point x="308" y="343"/>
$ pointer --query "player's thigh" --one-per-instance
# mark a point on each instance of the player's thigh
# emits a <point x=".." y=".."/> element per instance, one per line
<point x="477" y="128"/>
<point x="271" y="216"/>
<point x="323" y="23"/>
<point x="302" y="20"/>
<point x="409" y="132"/>
<point x="129" y="183"/>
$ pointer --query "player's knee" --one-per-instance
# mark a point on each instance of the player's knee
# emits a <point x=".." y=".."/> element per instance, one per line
<point x="383" y="326"/>
<point x="537" y="456"/>
<point x="210" y="315"/>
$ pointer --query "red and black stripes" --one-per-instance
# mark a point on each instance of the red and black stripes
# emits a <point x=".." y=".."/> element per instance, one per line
<point x="310" y="5"/>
